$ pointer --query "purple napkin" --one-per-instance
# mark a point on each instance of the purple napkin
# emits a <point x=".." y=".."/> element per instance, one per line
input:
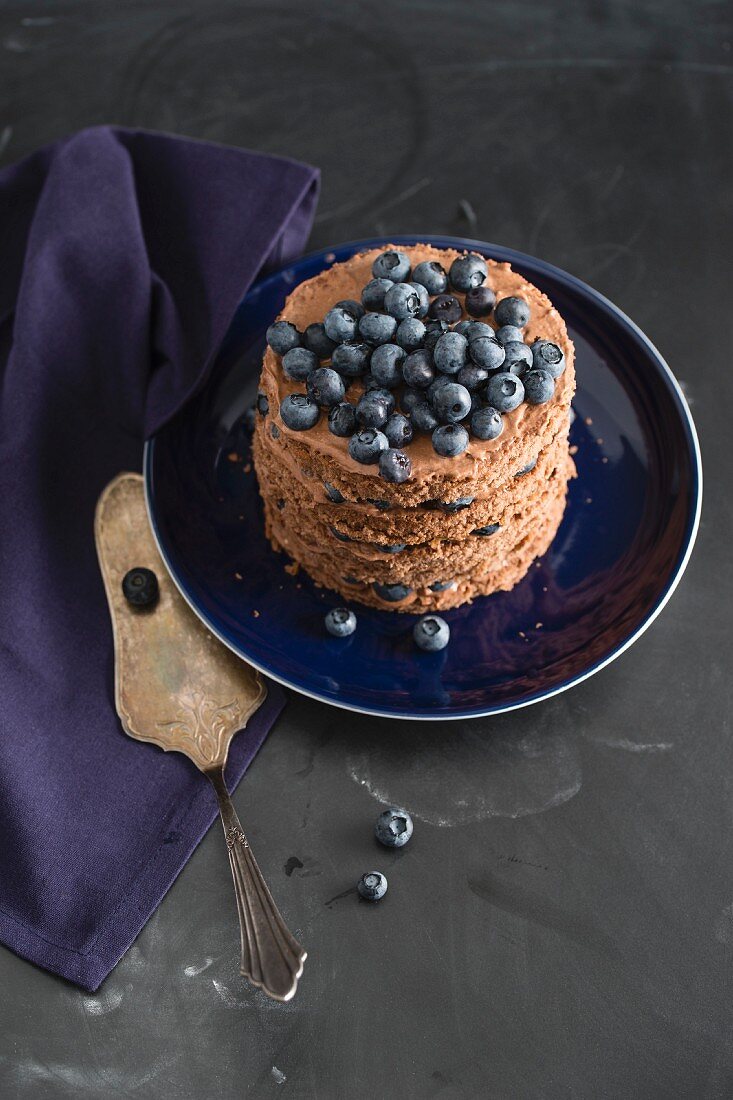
<point x="123" y="256"/>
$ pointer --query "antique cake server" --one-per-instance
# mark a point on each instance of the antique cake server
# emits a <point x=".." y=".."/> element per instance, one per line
<point x="179" y="687"/>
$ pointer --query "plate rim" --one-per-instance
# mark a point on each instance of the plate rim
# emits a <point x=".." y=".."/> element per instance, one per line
<point x="584" y="288"/>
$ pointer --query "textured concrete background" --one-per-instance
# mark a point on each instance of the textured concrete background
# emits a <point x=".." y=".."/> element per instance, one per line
<point x="561" y="924"/>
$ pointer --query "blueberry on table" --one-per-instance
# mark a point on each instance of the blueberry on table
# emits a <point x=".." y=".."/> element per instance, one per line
<point x="367" y="445"/>
<point x="517" y="357"/>
<point x="326" y="387"/>
<point x="423" y="417"/>
<point x="392" y="593"/>
<point x="452" y="403"/>
<point x="299" y="412"/>
<point x="374" y="293"/>
<point x="410" y="333"/>
<point x="450" y="352"/>
<point x="351" y="360"/>
<point x="450" y="440"/>
<point x="393" y="827"/>
<point x="504" y="391"/>
<point x="473" y="378"/>
<point x="315" y="340"/>
<point x="479" y="301"/>
<point x="539" y="386"/>
<point x="432" y="276"/>
<point x="340" y="622"/>
<point x="431" y="633"/>
<point x="445" y="308"/>
<point x="372" y="886"/>
<point x="140" y="587"/>
<point x="486" y="423"/>
<point x="356" y="309"/>
<point x="468" y="272"/>
<point x="508" y="334"/>
<point x="377" y="328"/>
<point x="298" y="363"/>
<point x="417" y="369"/>
<point x="340" y="325"/>
<point x="512" y="311"/>
<point x="486" y="352"/>
<point x="402" y="301"/>
<point x="398" y="430"/>
<point x="549" y="357"/>
<point x="342" y="419"/>
<point x="394" y="466"/>
<point x="372" y="410"/>
<point x="391" y="265"/>
<point x="386" y="364"/>
<point x="282" y="337"/>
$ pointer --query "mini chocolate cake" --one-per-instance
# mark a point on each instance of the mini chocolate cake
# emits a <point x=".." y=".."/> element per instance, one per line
<point x="412" y="438"/>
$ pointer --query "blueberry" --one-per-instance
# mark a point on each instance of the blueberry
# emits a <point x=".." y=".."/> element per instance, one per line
<point x="299" y="412"/>
<point x="441" y="586"/>
<point x="298" y="363"/>
<point x="392" y="265"/>
<point x="371" y="383"/>
<point x="410" y="398"/>
<point x="372" y="411"/>
<point x="509" y="334"/>
<point x="326" y="387"/>
<point x="488" y="529"/>
<point x="393" y="827"/>
<point x="463" y="327"/>
<point x="423" y="417"/>
<point x="467" y="272"/>
<point x="477" y="329"/>
<point x="140" y="587"/>
<point x="539" y="386"/>
<point x="377" y="328"/>
<point x="391" y="548"/>
<point x="392" y="593"/>
<point x="402" y="301"/>
<point x="351" y="360"/>
<point x="450" y="440"/>
<point x="263" y="405"/>
<point x="450" y="507"/>
<point x="472" y="377"/>
<point x="452" y="403"/>
<point x="315" y="340"/>
<point x="527" y="469"/>
<point x="410" y="333"/>
<point x="367" y="445"/>
<point x="445" y="308"/>
<point x="417" y="369"/>
<point x="433" y="332"/>
<point x="372" y="886"/>
<point x="382" y="505"/>
<point x="549" y="357"/>
<point x="339" y="535"/>
<point x="333" y="493"/>
<point x="340" y="325"/>
<point x="386" y="364"/>
<point x="512" y="311"/>
<point x="432" y="276"/>
<point x="431" y="633"/>
<point x="518" y="357"/>
<point x="274" y="431"/>
<point x="385" y="395"/>
<point x="486" y="353"/>
<point x="449" y="353"/>
<point x="479" y="301"/>
<point x="342" y="420"/>
<point x="340" y="622"/>
<point x="394" y="466"/>
<point x="486" y="423"/>
<point x="282" y="337"/>
<point x="356" y="309"/>
<point x="441" y="381"/>
<point x="350" y="580"/>
<point x="398" y="430"/>
<point x="504" y="391"/>
<point x="374" y="292"/>
<point x="424" y="299"/>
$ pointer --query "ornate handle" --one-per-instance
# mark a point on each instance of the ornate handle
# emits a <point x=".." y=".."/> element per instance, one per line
<point x="272" y="958"/>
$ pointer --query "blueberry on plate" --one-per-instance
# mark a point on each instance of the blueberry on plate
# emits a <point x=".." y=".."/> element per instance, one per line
<point x="340" y="325"/>
<point x="373" y="294"/>
<point x="372" y="886"/>
<point x="398" y="430"/>
<point x="487" y="353"/>
<point x="549" y="357"/>
<point x="487" y="530"/>
<point x="377" y="328"/>
<point x="449" y="353"/>
<point x="479" y="301"/>
<point x="299" y="412"/>
<point x="392" y="593"/>
<point x="394" y="466"/>
<point x="432" y="276"/>
<point x="367" y="445"/>
<point x="508" y="334"/>
<point x="140" y="587"/>
<point x="356" y="309"/>
<point x="473" y="378"/>
<point x="333" y="494"/>
<point x="468" y="272"/>
<point x="315" y="340"/>
<point x="393" y="827"/>
<point x="446" y="308"/>
<point x="450" y="440"/>
<point x="386" y="364"/>
<point x="340" y="622"/>
<point x="351" y="360"/>
<point x="431" y="633"/>
<point x="512" y="311"/>
<point x="326" y="387"/>
<point x="452" y="403"/>
<point x="282" y="337"/>
<point x="342" y="419"/>
<point x="518" y="357"/>
<point x="539" y="386"/>
<point x="504" y="391"/>
<point x="392" y="265"/>
<point x="486" y="423"/>
<point x="298" y="363"/>
<point x="423" y="417"/>
<point x="402" y="301"/>
<point x="410" y="333"/>
<point x="417" y="369"/>
<point x="372" y="410"/>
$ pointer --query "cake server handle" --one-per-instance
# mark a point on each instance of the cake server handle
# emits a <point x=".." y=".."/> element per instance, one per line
<point x="272" y="958"/>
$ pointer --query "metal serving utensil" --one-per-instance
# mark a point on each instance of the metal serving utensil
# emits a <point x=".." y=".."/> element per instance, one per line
<point x="179" y="687"/>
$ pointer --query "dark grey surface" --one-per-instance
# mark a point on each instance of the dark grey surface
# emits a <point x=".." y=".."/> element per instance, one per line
<point x="561" y="924"/>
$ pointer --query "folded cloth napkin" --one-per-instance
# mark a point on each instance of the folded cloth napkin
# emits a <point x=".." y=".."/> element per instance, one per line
<point x="124" y="255"/>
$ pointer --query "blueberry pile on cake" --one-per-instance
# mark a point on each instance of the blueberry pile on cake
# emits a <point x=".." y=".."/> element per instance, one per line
<point x="411" y="442"/>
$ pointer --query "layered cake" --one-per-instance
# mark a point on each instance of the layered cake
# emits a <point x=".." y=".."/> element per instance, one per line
<point x="411" y="442"/>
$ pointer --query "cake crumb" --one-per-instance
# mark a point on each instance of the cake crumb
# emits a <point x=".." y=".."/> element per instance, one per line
<point x="538" y="626"/>
<point x="248" y="468"/>
<point x="574" y="449"/>
<point x="233" y="456"/>
<point x="589" y="500"/>
<point x="588" y="421"/>
<point x="604" y="459"/>
<point x="522" y="634"/>
<point x="292" y="568"/>
<point x="599" y="442"/>
<point x="255" y="614"/>
<point x="238" y="576"/>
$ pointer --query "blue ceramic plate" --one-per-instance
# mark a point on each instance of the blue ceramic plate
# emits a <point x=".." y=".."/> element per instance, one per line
<point x="625" y="540"/>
